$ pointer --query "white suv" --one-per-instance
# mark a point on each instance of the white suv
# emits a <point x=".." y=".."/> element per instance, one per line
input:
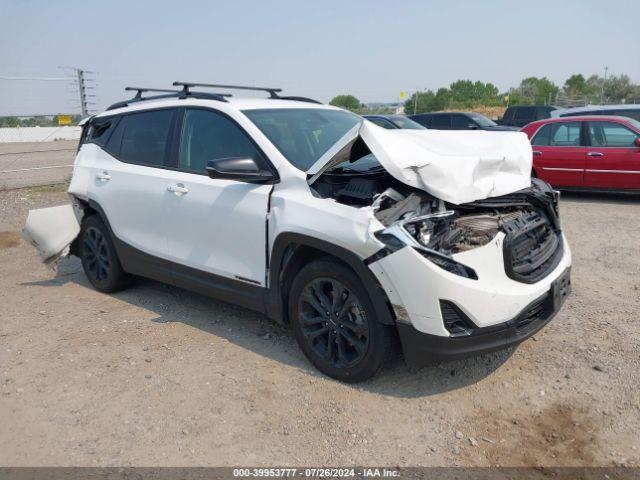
<point x="352" y="234"/>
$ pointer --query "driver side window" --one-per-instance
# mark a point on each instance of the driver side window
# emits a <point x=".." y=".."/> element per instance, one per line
<point x="207" y="135"/>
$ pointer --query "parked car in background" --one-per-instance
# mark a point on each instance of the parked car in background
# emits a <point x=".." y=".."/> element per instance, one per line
<point x="587" y="152"/>
<point x="393" y="122"/>
<point x="630" y="110"/>
<point x="520" y="115"/>
<point x="458" y="121"/>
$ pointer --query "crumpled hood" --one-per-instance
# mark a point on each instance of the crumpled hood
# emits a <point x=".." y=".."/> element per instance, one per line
<point x="455" y="166"/>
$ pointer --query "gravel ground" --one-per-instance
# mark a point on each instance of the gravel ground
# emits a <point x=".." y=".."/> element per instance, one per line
<point x="160" y="376"/>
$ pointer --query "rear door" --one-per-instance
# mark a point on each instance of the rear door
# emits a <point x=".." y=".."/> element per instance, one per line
<point x="559" y="154"/>
<point x="214" y="226"/>
<point x="127" y="179"/>
<point x="613" y="159"/>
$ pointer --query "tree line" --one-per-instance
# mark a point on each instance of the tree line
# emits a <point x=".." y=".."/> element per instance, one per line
<point x="576" y="91"/>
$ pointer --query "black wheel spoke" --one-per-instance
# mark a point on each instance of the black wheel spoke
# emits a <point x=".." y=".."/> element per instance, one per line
<point x="331" y="340"/>
<point x="313" y="334"/>
<point x="333" y="322"/>
<point x="97" y="258"/>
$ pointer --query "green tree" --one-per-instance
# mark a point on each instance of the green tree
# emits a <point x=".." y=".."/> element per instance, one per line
<point x="619" y="89"/>
<point x="575" y="85"/>
<point x="348" y="102"/>
<point x="534" y="90"/>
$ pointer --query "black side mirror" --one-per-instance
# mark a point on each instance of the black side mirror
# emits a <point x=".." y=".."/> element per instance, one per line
<point x="241" y="169"/>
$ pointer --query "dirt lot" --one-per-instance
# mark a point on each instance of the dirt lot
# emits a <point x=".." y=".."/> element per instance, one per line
<point x="161" y="376"/>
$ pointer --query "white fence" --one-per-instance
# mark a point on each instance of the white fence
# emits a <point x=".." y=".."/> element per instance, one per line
<point x="39" y="134"/>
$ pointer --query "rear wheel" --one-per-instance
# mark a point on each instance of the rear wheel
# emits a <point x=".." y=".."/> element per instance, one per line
<point x="99" y="259"/>
<point x="335" y="323"/>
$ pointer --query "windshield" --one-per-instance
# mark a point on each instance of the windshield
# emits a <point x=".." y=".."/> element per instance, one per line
<point x="303" y="135"/>
<point x="405" y="123"/>
<point x="482" y="120"/>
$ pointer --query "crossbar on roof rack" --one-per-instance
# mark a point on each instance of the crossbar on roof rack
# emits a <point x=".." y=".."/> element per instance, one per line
<point x="273" y="92"/>
<point x="166" y="93"/>
<point x="140" y="90"/>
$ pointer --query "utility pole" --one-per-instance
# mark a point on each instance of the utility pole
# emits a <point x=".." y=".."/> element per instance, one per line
<point x="415" y="102"/>
<point x="603" y="82"/>
<point x="82" y="92"/>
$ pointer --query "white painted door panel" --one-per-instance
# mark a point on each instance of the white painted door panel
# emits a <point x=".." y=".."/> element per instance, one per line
<point x="131" y="197"/>
<point x="218" y="226"/>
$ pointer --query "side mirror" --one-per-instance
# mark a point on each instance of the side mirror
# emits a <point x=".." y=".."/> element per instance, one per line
<point x="473" y="126"/>
<point x="241" y="169"/>
<point x="637" y="142"/>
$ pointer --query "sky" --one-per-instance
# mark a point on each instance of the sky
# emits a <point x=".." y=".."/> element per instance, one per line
<point x="371" y="49"/>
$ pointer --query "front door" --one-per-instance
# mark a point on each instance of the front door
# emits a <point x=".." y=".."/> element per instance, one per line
<point x="215" y="226"/>
<point x="613" y="159"/>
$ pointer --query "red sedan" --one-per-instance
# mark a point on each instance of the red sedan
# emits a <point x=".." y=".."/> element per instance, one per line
<point x="590" y="152"/>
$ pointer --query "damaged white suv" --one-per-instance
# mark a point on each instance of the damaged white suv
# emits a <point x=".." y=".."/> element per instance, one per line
<point x="353" y="234"/>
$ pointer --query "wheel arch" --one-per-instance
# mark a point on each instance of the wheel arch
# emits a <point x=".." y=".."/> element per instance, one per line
<point x="291" y="251"/>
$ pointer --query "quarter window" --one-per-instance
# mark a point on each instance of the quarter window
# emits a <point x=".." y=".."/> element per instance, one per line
<point x="100" y="130"/>
<point x="608" y="134"/>
<point x="146" y="136"/>
<point x="207" y="135"/>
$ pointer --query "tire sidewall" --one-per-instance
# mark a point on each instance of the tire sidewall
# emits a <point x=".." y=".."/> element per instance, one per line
<point x="114" y="280"/>
<point x="376" y="352"/>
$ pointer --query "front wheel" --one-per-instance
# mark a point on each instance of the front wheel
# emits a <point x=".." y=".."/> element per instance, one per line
<point x="335" y="323"/>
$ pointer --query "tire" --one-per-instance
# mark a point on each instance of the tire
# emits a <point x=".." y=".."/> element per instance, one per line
<point x="349" y="344"/>
<point x="99" y="258"/>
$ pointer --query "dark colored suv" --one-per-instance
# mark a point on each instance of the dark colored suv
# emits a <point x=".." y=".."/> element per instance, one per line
<point x="521" y="115"/>
<point x="457" y="121"/>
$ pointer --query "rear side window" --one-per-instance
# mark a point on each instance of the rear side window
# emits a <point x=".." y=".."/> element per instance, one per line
<point x="542" y="113"/>
<point x="608" y="134"/>
<point x="424" y="120"/>
<point x="462" y="121"/>
<point x="441" y="121"/>
<point x="101" y="129"/>
<point x="525" y="113"/>
<point x="565" y="134"/>
<point x="145" y="137"/>
<point x="207" y="135"/>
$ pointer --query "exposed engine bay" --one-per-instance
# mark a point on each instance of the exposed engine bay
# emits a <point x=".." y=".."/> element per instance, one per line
<point x="438" y="228"/>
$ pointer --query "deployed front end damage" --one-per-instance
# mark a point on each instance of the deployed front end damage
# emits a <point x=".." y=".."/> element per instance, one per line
<point x="472" y="255"/>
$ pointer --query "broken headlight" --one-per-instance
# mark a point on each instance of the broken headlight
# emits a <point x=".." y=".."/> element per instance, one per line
<point x="430" y="235"/>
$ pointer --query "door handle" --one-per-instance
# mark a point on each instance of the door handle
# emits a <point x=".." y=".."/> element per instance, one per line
<point x="595" y="154"/>
<point x="537" y="153"/>
<point x="104" y="176"/>
<point x="178" y="189"/>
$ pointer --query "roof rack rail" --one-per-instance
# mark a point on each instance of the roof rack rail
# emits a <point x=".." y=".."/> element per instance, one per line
<point x="184" y="93"/>
<point x="273" y="92"/>
<point x="299" y="99"/>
